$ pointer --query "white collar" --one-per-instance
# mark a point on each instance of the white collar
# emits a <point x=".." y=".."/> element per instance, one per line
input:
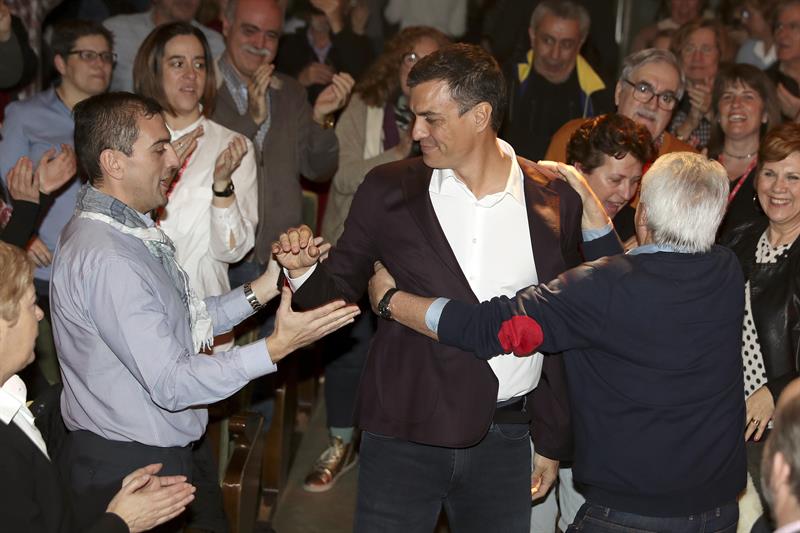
<point x="444" y="177"/>
<point x="13" y="395"/>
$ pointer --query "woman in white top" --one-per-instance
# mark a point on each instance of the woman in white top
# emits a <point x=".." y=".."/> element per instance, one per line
<point x="212" y="213"/>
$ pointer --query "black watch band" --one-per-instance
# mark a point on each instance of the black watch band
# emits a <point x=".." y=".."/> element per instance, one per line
<point x="224" y="193"/>
<point x="383" y="305"/>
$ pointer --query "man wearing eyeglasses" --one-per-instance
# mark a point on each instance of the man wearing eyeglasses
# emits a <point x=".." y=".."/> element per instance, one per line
<point x="648" y="91"/>
<point x="553" y="83"/>
<point x="84" y="59"/>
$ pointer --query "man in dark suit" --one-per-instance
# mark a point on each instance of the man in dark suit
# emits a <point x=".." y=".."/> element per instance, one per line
<point x="467" y="218"/>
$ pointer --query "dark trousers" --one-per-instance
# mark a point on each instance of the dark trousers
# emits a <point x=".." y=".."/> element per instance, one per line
<point x="598" y="519"/>
<point x="346" y="351"/>
<point x="402" y="486"/>
<point x="93" y="468"/>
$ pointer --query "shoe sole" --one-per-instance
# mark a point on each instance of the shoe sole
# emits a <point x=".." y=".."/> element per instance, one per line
<point x="329" y="486"/>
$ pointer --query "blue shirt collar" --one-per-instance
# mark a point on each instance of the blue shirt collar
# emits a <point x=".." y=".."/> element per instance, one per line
<point x="653" y="248"/>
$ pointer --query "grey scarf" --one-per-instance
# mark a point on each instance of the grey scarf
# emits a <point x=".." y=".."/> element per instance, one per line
<point x="95" y="205"/>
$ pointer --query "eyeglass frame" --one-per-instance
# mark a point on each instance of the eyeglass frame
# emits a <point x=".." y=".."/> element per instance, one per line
<point x="94" y="55"/>
<point x="653" y="94"/>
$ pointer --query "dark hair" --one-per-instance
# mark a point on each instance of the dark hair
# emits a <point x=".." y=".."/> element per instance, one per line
<point x="471" y="74"/>
<point x="609" y="135"/>
<point x="757" y="80"/>
<point x="148" y="65"/>
<point x="381" y="81"/>
<point x="66" y="33"/>
<point x="108" y="122"/>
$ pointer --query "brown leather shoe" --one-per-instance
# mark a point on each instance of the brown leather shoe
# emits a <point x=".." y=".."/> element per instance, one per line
<point x="337" y="459"/>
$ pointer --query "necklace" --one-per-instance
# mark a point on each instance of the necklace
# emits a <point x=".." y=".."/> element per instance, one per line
<point x="740" y="157"/>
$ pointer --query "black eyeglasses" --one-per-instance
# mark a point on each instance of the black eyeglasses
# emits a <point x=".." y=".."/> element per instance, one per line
<point x="644" y="92"/>
<point x="90" y="55"/>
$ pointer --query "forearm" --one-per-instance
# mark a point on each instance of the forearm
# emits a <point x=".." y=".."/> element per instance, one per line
<point x="410" y="310"/>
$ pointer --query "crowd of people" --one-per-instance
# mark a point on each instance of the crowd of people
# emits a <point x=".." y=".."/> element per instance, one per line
<point x="551" y="294"/>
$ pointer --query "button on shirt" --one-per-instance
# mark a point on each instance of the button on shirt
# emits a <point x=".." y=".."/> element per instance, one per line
<point x="124" y="342"/>
<point x="491" y="241"/>
<point x="32" y="127"/>
<point x="13" y="408"/>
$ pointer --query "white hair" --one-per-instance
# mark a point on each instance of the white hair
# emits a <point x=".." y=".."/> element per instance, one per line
<point x="684" y="196"/>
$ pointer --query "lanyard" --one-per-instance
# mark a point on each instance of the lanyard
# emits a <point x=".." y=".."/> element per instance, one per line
<point x="742" y="179"/>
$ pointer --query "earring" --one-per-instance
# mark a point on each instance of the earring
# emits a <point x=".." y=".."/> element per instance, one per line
<point x="757" y="204"/>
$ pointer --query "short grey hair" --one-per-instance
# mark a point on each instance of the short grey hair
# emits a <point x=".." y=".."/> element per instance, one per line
<point x="653" y="55"/>
<point x="784" y="439"/>
<point x="684" y="196"/>
<point x="564" y="9"/>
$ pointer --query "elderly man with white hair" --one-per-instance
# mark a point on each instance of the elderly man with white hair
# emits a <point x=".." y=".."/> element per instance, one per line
<point x="651" y="345"/>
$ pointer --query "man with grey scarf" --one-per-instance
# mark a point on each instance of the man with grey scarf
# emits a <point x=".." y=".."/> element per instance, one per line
<point x="130" y="330"/>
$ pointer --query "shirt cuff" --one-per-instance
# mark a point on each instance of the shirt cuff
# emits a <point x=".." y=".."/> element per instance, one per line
<point x="296" y="283"/>
<point x="255" y="359"/>
<point x="593" y="234"/>
<point x="226" y="215"/>
<point x="434" y="313"/>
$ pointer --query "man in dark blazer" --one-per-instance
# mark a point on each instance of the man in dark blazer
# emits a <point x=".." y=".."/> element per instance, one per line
<point x="441" y="427"/>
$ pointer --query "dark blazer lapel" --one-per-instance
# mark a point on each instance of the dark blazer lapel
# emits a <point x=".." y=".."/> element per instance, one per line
<point x="415" y="184"/>
<point x="544" y="225"/>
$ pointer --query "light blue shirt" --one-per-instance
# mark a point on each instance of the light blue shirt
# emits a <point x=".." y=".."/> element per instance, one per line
<point x="125" y="346"/>
<point x="32" y="127"/>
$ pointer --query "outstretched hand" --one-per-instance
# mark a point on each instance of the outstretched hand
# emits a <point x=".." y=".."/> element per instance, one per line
<point x="294" y="330"/>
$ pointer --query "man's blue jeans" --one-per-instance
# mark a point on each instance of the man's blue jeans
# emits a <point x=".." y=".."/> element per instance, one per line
<point x="402" y="486"/>
<point x="598" y="519"/>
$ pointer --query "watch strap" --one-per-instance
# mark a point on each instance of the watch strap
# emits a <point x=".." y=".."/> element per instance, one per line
<point x="251" y="297"/>
<point x="224" y="193"/>
<point x="383" y="305"/>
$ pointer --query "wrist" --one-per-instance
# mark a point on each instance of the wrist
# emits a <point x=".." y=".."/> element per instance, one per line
<point x="276" y="349"/>
<point x="222" y="188"/>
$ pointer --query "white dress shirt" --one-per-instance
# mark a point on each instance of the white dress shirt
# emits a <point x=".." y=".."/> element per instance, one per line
<point x="200" y="231"/>
<point x="13" y="408"/>
<point x="491" y="241"/>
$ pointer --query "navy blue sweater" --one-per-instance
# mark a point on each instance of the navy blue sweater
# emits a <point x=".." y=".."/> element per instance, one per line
<point x="652" y="350"/>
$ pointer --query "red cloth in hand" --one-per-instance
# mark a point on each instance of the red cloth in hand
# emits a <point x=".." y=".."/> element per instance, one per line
<point x="520" y="335"/>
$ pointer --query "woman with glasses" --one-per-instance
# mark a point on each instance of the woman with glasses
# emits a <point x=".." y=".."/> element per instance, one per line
<point x="759" y="47"/>
<point x="699" y="46"/>
<point x="211" y="213"/>
<point x="374" y="128"/>
<point x="746" y="108"/>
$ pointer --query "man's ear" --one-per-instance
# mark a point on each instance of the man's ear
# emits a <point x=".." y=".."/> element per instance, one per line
<point x="60" y="64"/>
<point x="482" y="116"/>
<point x="617" y="91"/>
<point x="781" y="471"/>
<point x="112" y="164"/>
<point x="531" y="35"/>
